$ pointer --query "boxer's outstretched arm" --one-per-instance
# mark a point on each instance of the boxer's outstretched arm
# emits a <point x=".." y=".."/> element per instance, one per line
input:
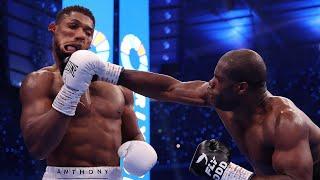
<point x="129" y="128"/>
<point x="292" y="157"/>
<point x="165" y="88"/>
<point x="42" y="126"/>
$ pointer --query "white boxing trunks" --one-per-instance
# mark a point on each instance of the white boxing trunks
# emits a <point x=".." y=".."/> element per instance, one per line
<point x="103" y="172"/>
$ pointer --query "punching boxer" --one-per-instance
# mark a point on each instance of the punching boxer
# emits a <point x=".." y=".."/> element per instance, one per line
<point x="80" y="126"/>
<point x="279" y="140"/>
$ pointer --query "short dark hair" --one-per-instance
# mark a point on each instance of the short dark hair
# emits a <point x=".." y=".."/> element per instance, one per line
<point x="75" y="8"/>
<point x="245" y="65"/>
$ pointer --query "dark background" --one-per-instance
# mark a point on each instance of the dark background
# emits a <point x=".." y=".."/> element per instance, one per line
<point x="187" y="38"/>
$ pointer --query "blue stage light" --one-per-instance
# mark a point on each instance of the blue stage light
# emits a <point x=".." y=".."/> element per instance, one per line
<point x="165" y="57"/>
<point x="233" y="29"/>
<point x="167" y="29"/>
<point x="168" y="1"/>
<point x="167" y="15"/>
<point x="166" y="45"/>
<point x="53" y="8"/>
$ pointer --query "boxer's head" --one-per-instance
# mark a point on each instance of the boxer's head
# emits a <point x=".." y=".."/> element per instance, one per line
<point x="72" y="30"/>
<point x="238" y="74"/>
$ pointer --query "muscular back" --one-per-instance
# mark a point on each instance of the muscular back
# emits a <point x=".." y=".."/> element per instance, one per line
<point x="94" y="134"/>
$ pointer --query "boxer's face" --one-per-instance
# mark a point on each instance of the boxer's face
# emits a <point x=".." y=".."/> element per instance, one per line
<point x="221" y="92"/>
<point x="72" y="33"/>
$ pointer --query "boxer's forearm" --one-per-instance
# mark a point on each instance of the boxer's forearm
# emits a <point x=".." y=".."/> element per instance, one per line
<point x="139" y="137"/>
<point x="42" y="134"/>
<point x="147" y="83"/>
<point x="164" y="88"/>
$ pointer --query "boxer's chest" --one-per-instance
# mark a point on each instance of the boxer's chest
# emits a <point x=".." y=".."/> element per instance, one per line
<point x="255" y="146"/>
<point x="101" y="99"/>
<point x="254" y="143"/>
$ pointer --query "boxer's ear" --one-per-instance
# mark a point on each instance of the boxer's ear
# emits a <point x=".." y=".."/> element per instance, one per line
<point x="52" y="27"/>
<point x="242" y="88"/>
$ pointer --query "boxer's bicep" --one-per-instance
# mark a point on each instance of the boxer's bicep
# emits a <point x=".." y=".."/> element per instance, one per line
<point x="295" y="163"/>
<point x="129" y="127"/>
<point x="34" y="97"/>
<point x="292" y="154"/>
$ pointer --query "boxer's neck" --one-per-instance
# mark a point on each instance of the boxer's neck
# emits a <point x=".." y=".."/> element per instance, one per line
<point x="253" y="105"/>
<point x="58" y="62"/>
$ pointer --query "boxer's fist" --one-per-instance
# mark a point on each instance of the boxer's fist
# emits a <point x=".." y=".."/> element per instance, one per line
<point x="138" y="157"/>
<point x="89" y="63"/>
<point x="77" y="76"/>
<point x="80" y="68"/>
<point x="210" y="159"/>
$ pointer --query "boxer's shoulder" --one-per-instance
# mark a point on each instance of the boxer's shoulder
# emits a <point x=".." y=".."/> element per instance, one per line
<point x="127" y="94"/>
<point x="39" y="80"/>
<point x="283" y="108"/>
<point x="46" y="73"/>
<point x="281" y="104"/>
<point x="279" y="100"/>
<point x="284" y="114"/>
<point x="288" y="116"/>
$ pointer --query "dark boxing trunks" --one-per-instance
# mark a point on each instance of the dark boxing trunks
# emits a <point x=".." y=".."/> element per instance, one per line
<point x="316" y="171"/>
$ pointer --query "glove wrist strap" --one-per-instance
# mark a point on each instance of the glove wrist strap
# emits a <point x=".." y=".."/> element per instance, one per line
<point x="112" y="74"/>
<point x="67" y="100"/>
<point x="234" y="171"/>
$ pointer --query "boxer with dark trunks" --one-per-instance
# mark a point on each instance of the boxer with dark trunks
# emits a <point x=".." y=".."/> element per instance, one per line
<point x="279" y="140"/>
<point x="80" y="126"/>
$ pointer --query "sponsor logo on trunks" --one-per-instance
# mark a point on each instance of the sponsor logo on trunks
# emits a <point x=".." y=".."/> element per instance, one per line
<point x="71" y="68"/>
<point x="81" y="171"/>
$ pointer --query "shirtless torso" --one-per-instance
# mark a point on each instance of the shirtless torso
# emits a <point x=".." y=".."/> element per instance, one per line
<point x="99" y="127"/>
<point x="279" y="140"/>
<point x="276" y="123"/>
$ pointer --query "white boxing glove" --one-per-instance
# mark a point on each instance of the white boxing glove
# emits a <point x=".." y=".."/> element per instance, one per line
<point x="138" y="157"/>
<point x="77" y="76"/>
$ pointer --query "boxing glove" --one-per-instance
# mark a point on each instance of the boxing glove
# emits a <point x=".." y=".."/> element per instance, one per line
<point x="77" y="76"/>
<point x="138" y="157"/>
<point x="212" y="159"/>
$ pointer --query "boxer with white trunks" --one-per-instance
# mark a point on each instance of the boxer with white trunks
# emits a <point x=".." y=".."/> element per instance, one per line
<point x="80" y="125"/>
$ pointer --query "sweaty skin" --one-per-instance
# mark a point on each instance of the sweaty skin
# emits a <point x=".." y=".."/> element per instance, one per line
<point x="279" y="140"/>
<point x="104" y="117"/>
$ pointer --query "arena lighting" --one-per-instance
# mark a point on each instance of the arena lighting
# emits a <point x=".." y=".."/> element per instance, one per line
<point x="233" y="29"/>
<point x="166" y="45"/>
<point x="165" y="57"/>
<point x="167" y="30"/>
<point x="167" y="15"/>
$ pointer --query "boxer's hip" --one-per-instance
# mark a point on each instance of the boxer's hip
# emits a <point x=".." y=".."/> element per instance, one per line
<point x="102" y="172"/>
